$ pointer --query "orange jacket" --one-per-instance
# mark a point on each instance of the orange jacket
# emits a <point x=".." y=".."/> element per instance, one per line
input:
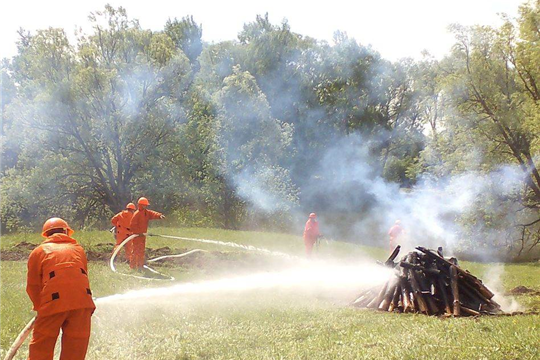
<point x="57" y="278"/>
<point x="311" y="231"/>
<point x="395" y="231"/>
<point x="139" y="221"/>
<point x="121" y="221"/>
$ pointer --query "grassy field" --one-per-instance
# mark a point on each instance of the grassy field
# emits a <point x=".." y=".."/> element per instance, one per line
<point x="269" y="323"/>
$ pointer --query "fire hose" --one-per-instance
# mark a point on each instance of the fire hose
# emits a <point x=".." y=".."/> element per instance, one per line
<point x="20" y="340"/>
<point x="163" y="276"/>
<point x="28" y="328"/>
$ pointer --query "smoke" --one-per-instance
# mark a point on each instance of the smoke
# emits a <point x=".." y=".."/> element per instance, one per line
<point x="493" y="282"/>
<point x="284" y="131"/>
<point x="347" y="183"/>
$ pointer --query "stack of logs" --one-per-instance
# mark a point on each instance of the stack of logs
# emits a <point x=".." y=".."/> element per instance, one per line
<point x="425" y="282"/>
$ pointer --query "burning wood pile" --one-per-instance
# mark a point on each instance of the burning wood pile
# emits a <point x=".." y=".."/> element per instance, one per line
<point x="425" y="282"/>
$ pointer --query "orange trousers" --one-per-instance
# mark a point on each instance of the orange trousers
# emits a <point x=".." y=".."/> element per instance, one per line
<point x="75" y="325"/>
<point x="393" y="242"/>
<point x="128" y="248"/>
<point x="309" y="242"/>
<point x="136" y="260"/>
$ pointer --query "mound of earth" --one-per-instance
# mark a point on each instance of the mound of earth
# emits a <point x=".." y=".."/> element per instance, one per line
<point x="19" y="251"/>
<point x="210" y="262"/>
<point x="522" y="290"/>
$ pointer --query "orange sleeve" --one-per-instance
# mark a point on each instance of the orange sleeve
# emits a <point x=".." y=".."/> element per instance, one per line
<point x="116" y="218"/>
<point x="33" y="280"/>
<point x="154" y="214"/>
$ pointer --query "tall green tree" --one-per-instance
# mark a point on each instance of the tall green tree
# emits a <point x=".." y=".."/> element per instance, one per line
<point x="102" y="112"/>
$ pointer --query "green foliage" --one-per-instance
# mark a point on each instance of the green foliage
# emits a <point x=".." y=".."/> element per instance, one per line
<point x="489" y="119"/>
<point x="186" y="35"/>
<point x="231" y="131"/>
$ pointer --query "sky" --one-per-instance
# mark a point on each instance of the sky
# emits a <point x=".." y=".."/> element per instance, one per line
<point x="395" y="28"/>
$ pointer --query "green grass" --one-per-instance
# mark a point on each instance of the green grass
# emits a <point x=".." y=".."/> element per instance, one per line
<point x="272" y="324"/>
<point x="273" y="241"/>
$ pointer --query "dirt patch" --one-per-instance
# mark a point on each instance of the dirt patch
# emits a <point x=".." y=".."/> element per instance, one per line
<point x="209" y="262"/>
<point x="100" y="252"/>
<point x="18" y="252"/>
<point x="523" y="290"/>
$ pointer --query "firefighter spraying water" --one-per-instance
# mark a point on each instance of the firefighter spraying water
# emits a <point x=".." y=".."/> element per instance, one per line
<point x="59" y="289"/>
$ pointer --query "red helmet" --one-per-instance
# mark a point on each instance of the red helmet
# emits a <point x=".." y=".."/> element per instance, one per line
<point x="131" y="206"/>
<point x="312" y="215"/>
<point x="143" y="201"/>
<point x="56" y="223"/>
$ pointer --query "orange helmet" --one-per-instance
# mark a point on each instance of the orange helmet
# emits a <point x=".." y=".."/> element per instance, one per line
<point x="143" y="201"/>
<point x="312" y="215"/>
<point x="56" y="223"/>
<point x="131" y="206"/>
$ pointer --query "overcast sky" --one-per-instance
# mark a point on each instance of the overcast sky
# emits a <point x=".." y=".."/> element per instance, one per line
<point x="395" y="28"/>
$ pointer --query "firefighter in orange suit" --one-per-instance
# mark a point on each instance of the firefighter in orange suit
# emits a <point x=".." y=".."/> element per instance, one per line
<point x="58" y="286"/>
<point x="395" y="233"/>
<point x="121" y="222"/>
<point x="139" y="225"/>
<point x="311" y="233"/>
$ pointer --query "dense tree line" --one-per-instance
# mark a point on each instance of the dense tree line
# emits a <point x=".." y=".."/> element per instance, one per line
<point x="230" y="134"/>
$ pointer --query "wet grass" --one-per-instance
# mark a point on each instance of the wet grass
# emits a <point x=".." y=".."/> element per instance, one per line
<point x="268" y="324"/>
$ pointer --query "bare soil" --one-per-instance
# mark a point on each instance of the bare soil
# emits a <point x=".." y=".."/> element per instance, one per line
<point x="208" y="261"/>
<point x="523" y="290"/>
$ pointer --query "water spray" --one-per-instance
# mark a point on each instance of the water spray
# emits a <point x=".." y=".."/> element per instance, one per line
<point x="230" y="244"/>
<point x="190" y="287"/>
<point x="163" y="276"/>
<point x="205" y="241"/>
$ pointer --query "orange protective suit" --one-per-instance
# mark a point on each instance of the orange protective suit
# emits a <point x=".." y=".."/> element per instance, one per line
<point x="58" y="285"/>
<point x="311" y="233"/>
<point x="394" y="233"/>
<point x="139" y="225"/>
<point x="122" y="221"/>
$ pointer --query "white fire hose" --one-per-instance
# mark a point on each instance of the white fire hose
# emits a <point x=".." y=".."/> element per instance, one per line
<point x="164" y="277"/>
<point x="20" y="340"/>
<point x="28" y="328"/>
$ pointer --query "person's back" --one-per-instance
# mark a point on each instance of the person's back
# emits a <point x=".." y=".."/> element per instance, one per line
<point x="58" y="286"/>
<point x="59" y="267"/>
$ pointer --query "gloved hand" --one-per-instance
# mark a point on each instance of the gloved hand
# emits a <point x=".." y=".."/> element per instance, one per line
<point x="162" y="216"/>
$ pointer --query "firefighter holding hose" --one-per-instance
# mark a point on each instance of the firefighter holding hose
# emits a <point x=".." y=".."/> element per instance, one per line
<point x="139" y="225"/>
<point x="121" y="222"/>
<point x="58" y="286"/>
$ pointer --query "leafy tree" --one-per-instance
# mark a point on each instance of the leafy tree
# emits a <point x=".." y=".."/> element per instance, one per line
<point x="489" y="86"/>
<point x="253" y="144"/>
<point x="187" y="36"/>
<point x="101" y="113"/>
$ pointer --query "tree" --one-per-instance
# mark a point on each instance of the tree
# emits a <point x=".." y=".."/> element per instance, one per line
<point x="490" y="83"/>
<point x="187" y="36"/>
<point x="253" y="144"/>
<point x="101" y="114"/>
